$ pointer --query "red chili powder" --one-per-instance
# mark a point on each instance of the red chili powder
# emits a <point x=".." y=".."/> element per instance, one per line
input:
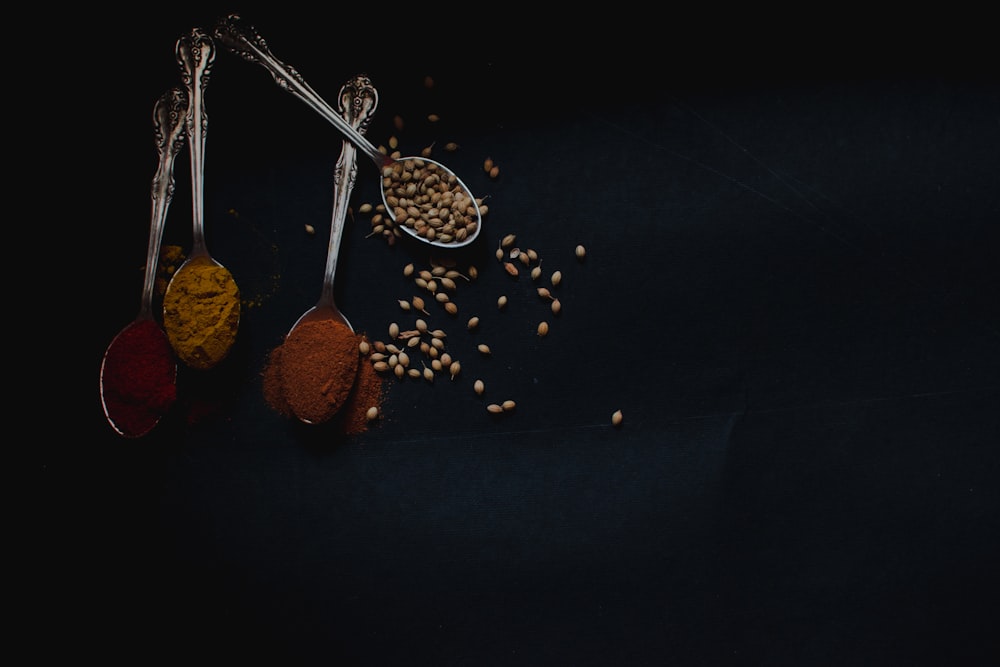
<point x="368" y="391"/>
<point x="138" y="378"/>
<point x="319" y="362"/>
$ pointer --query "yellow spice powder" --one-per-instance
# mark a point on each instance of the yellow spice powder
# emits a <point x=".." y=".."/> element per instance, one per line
<point x="201" y="313"/>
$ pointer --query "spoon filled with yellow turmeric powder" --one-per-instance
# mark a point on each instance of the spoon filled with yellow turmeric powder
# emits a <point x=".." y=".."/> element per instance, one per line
<point x="201" y="306"/>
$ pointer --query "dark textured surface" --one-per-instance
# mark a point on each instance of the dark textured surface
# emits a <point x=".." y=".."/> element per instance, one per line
<point x="790" y="291"/>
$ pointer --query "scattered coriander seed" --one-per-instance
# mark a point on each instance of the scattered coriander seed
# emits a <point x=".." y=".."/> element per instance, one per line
<point x="437" y="365"/>
<point x="454" y="368"/>
<point x="536" y="273"/>
<point x="556" y="306"/>
<point x="543" y="328"/>
<point x="372" y="413"/>
<point x="617" y="418"/>
<point x="502" y="302"/>
<point x="404" y="304"/>
<point x="508" y="241"/>
<point x="487" y="164"/>
<point x="433" y="117"/>
<point x="414" y="373"/>
<point x="441" y="297"/>
<point x="532" y="254"/>
<point x="421" y="325"/>
<point x="473" y="273"/>
<point x="500" y="254"/>
<point x="515" y="253"/>
<point x="418" y="304"/>
<point x="510" y="268"/>
<point x="427" y="151"/>
<point x="408" y="270"/>
<point x="508" y="405"/>
<point x="472" y="323"/>
<point x="393" y="143"/>
<point x="483" y="348"/>
<point x="364" y="347"/>
<point x="544" y="293"/>
<point x="400" y="371"/>
<point x="310" y="229"/>
<point x="581" y="252"/>
<point x="428" y="374"/>
<point x="451" y="147"/>
<point x="380" y="366"/>
<point x="403" y="358"/>
<point x="494" y="408"/>
<point x="393" y="330"/>
<point x="495" y="172"/>
<point x="365" y="208"/>
<point x="439" y="333"/>
<point x="479" y="387"/>
<point x="556" y="278"/>
<point x="451" y="308"/>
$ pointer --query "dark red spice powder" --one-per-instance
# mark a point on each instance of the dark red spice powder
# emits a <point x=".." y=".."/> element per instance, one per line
<point x="138" y="378"/>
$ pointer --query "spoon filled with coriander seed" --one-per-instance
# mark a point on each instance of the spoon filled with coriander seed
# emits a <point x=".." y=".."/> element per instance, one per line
<point x="201" y="306"/>
<point x="423" y="197"/>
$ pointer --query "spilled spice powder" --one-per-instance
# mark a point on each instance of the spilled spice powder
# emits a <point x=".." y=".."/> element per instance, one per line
<point x="368" y="392"/>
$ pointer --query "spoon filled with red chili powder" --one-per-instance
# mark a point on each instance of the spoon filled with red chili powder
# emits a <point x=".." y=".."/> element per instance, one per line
<point x="317" y="364"/>
<point x="138" y="370"/>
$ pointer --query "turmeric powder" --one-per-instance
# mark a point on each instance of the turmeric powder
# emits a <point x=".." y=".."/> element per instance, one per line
<point x="201" y="313"/>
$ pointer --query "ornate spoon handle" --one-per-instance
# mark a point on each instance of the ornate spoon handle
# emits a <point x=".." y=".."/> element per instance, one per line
<point x="169" y="115"/>
<point x="195" y="55"/>
<point x="246" y="42"/>
<point x="358" y="99"/>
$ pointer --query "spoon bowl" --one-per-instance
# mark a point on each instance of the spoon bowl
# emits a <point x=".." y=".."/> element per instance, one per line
<point x="415" y="218"/>
<point x="138" y="371"/>
<point x="201" y="330"/>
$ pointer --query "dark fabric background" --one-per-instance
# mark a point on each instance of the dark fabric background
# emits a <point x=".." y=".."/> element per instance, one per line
<point x="790" y="291"/>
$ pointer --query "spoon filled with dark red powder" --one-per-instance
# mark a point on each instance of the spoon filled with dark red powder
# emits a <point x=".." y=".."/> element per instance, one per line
<point x="138" y="372"/>
<point x="319" y="358"/>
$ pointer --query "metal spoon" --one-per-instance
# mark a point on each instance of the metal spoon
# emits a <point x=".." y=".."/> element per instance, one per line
<point x="195" y="54"/>
<point x="244" y="41"/>
<point x="358" y="99"/>
<point x="168" y="124"/>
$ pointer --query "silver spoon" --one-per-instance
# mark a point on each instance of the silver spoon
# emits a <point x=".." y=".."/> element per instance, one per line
<point x="358" y="99"/>
<point x="195" y="54"/>
<point x="244" y="41"/>
<point x="168" y="124"/>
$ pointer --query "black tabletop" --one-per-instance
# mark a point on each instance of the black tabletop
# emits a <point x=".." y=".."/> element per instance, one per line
<point x="789" y="291"/>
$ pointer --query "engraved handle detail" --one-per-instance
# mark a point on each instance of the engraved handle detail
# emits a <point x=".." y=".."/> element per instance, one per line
<point x="244" y="41"/>
<point x="169" y="118"/>
<point x="195" y="55"/>
<point x="358" y="99"/>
